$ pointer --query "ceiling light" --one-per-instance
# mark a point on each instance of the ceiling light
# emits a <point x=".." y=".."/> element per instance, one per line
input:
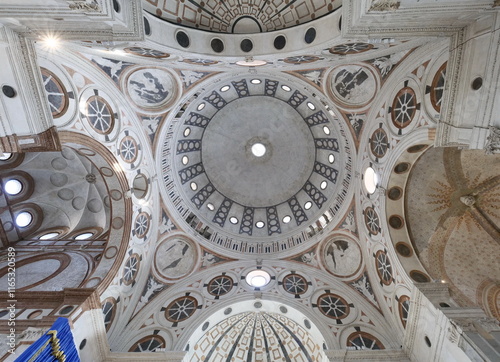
<point x="258" y="278"/>
<point x="250" y="62"/>
<point x="51" y="42"/>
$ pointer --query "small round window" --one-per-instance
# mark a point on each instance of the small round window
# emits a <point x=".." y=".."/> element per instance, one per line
<point x="84" y="236"/>
<point x="23" y="219"/>
<point x="13" y="187"/>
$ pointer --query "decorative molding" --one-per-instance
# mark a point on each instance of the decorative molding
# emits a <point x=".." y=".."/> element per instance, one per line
<point x="41" y="142"/>
<point x="492" y="145"/>
<point x="84" y="6"/>
<point x="384" y="5"/>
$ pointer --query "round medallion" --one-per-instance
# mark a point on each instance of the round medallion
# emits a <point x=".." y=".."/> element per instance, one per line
<point x="437" y="87"/>
<point x="404" y="107"/>
<point x="175" y="258"/>
<point x="295" y="284"/>
<point x="362" y="341"/>
<point x="141" y="225"/>
<point x="131" y="268"/>
<point x="151" y="88"/>
<point x="100" y="115"/>
<point x="333" y="306"/>
<point x="352" y="85"/>
<point x="404" y="308"/>
<point x="351" y="48"/>
<point x="384" y="268"/>
<point x="181" y="309"/>
<point x="379" y="143"/>
<point x="146" y="52"/>
<point x="56" y="93"/>
<point x="342" y="256"/>
<point x="372" y="221"/>
<point x="220" y="285"/>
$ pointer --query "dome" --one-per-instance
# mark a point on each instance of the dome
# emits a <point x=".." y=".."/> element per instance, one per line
<point x="255" y="158"/>
<point x="240" y="17"/>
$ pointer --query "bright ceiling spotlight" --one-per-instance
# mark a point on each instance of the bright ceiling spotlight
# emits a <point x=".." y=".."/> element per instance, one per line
<point x="51" y="42"/>
<point x="370" y="179"/>
<point x="258" y="278"/>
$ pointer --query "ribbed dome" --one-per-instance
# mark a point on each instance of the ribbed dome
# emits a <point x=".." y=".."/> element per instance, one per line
<point x="257" y="336"/>
<point x="240" y="16"/>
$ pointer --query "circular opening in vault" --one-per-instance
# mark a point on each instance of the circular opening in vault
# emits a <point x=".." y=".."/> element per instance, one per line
<point x="258" y="278"/>
<point x="371" y="180"/>
<point x="258" y="149"/>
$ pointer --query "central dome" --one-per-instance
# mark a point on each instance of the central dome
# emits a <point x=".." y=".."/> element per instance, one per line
<point x="258" y="151"/>
<point x="253" y="159"/>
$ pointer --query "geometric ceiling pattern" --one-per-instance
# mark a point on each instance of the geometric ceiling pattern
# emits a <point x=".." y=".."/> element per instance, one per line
<point x="241" y="212"/>
<point x="240" y="16"/>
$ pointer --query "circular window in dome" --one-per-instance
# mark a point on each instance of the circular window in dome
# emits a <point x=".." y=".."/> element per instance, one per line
<point x="310" y="35"/>
<point x="84" y="236"/>
<point x="258" y="149"/>
<point x="308" y="205"/>
<point x="185" y="160"/>
<point x="258" y="278"/>
<point x="331" y="158"/>
<point x="13" y="187"/>
<point x="246" y="45"/>
<point x="255" y="81"/>
<point x="286" y="88"/>
<point x="233" y="220"/>
<point x="311" y="106"/>
<point x="182" y="38"/>
<point x="187" y="131"/>
<point x="370" y="179"/>
<point x="279" y="42"/>
<point x="323" y="185"/>
<point x="4" y="156"/>
<point x="260" y="224"/>
<point x="217" y="45"/>
<point x="23" y="219"/>
<point x="326" y="130"/>
<point x="194" y="186"/>
<point x="201" y="106"/>
<point x="224" y="88"/>
<point x="48" y="236"/>
<point x="286" y="219"/>
<point x="211" y="207"/>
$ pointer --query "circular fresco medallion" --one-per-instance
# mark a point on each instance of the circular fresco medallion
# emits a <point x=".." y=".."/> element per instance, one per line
<point x="342" y="256"/>
<point x="353" y="85"/>
<point x="175" y="257"/>
<point x="151" y="88"/>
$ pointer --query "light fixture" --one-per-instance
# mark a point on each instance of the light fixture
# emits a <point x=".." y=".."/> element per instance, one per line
<point x="51" y="41"/>
<point x="258" y="278"/>
<point x="251" y="62"/>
